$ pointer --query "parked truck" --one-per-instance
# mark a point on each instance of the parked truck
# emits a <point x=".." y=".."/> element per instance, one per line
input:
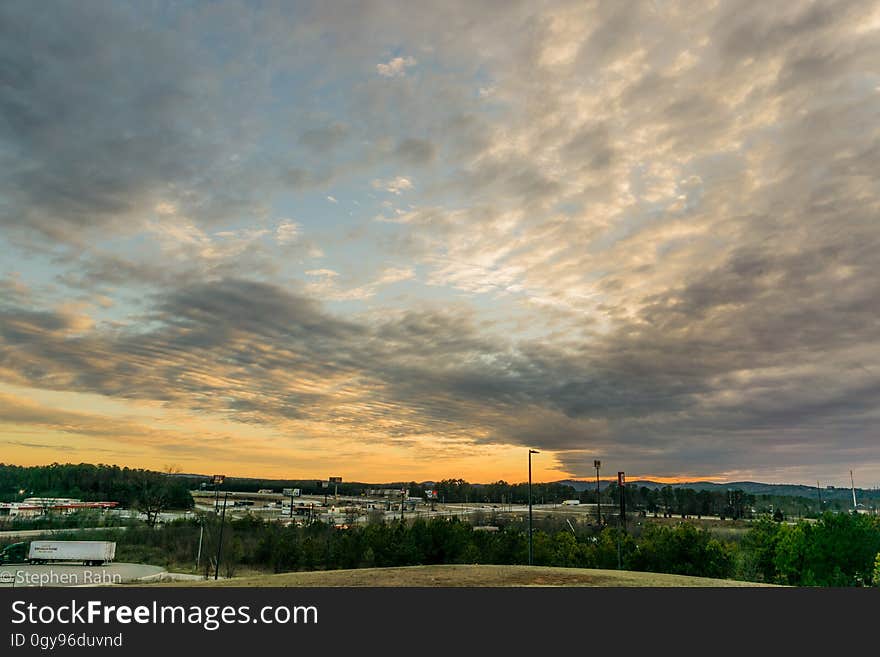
<point x="90" y="553"/>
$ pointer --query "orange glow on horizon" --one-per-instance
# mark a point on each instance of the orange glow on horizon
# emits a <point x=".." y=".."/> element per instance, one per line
<point x="68" y="427"/>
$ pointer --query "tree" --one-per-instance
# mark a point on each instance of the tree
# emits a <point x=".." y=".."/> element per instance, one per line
<point x="789" y="558"/>
<point x="684" y="550"/>
<point x="158" y="491"/>
<point x="667" y="495"/>
<point x="841" y="550"/>
<point x="759" y="548"/>
<point x="152" y="497"/>
<point x="233" y="551"/>
<point x="704" y="503"/>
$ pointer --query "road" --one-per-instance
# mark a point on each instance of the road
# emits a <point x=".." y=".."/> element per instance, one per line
<point x="24" y="533"/>
<point x="69" y="574"/>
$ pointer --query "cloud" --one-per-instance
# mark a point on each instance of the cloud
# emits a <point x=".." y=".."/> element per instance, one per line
<point x="287" y="232"/>
<point x="396" y="185"/>
<point x="437" y="373"/>
<point x="396" y="67"/>
<point x="654" y="241"/>
<point x="182" y="240"/>
<point x="330" y="288"/>
<point x="416" y="152"/>
<point x="324" y="138"/>
<point x="95" y="141"/>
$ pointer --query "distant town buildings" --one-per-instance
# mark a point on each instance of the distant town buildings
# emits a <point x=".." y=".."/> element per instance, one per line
<point x="36" y="506"/>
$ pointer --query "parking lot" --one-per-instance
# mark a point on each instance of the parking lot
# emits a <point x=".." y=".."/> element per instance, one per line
<point x="69" y="574"/>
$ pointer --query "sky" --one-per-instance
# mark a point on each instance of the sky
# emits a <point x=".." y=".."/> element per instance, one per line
<point x="411" y="240"/>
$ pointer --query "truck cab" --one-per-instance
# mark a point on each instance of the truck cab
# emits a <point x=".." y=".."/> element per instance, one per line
<point x="15" y="553"/>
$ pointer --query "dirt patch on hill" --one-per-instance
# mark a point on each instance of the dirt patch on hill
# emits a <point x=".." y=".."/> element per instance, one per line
<point x="462" y="575"/>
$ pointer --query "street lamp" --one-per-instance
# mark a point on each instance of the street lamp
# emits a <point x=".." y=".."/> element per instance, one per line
<point x="597" y="464"/>
<point x="531" y="451"/>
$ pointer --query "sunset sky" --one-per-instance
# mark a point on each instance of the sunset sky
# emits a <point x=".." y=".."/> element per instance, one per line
<point x="411" y="240"/>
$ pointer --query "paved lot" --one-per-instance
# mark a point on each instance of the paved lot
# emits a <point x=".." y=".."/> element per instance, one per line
<point x="69" y="574"/>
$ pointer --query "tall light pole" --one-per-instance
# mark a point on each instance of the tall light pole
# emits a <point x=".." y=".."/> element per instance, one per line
<point x="597" y="464"/>
<point x="531" y="451"/>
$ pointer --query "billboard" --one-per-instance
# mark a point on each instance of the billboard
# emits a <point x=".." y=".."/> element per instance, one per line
<point x="292" y="492"/>
<point x="431" y="494"/>
<point x="335" y="480"/>
<point x="217" y="479"/>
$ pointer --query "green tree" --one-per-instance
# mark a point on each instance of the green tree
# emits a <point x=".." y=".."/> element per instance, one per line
<point x="790" y="554"/>
<point x="841" y="550"/>
<point x="684" y="550"/>
<point x="758" y="552"/>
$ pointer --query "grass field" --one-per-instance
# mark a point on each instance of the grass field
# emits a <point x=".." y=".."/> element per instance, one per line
<point x="461" y="575"/>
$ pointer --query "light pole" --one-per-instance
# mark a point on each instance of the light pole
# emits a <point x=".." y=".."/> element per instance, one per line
<point x="531" y="451"/>
<point x="597" y="464"/>
<point x="201" y="533"/>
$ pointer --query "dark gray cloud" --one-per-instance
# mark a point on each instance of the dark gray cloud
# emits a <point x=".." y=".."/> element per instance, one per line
<point x="244" y="348"/>
<point x="106" y="111"/>
<point x="416" y="151"/>
<point x="95" y="115"/>
<point x="324" y="138"/>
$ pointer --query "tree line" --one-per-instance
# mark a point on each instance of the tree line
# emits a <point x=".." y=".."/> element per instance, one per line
<point x="837" y="550"/>
<point x="666" y="500"/>
<point x="155" y="491"/>
<point x="147" y="490"/>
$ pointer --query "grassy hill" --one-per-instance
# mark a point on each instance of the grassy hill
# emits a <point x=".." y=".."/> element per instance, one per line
<point x="463" y="575"/>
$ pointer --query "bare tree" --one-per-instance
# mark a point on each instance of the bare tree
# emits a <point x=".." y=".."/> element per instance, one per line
<point x="154" y="494"/>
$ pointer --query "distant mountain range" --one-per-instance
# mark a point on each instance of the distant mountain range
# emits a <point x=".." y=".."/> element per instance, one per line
<point x="751" y="487"/>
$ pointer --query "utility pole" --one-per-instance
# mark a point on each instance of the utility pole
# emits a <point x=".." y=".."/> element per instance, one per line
<point x="597" y="464"/>
<point x="220" y="540"/>
<point x="199" y="554"/>
<point x="819" y="490"/>
<point x="531" y="451"/>
<point x="852" y="483"/>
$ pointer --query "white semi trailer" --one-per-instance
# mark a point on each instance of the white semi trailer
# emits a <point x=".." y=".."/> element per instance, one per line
<point x="90" y="553"/>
